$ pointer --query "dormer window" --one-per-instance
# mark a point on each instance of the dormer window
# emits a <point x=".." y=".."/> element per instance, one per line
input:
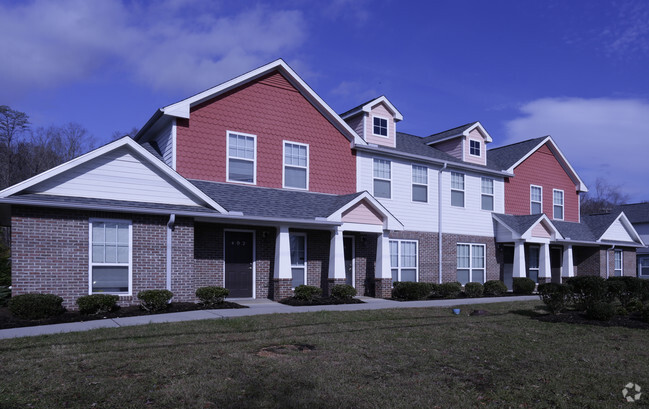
<point x="380" y="126"/>
<point x="474" y="147"/>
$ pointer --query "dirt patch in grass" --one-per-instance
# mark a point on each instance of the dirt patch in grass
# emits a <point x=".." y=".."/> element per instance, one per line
<point x="276" y="351"/>
<point x="577" y="317"/>
<point x="8" y="320"/>
<point x="294" y="302"/>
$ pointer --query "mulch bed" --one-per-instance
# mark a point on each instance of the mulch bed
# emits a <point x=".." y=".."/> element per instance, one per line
<point x="8" y="320"/>
<point x="294" y="302"/>
<point x="577" y="317"/>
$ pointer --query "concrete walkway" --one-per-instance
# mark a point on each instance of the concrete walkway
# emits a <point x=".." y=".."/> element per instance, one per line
<point x="256" y="307"/>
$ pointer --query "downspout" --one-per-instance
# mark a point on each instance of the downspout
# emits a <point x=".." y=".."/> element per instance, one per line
<point x="439" y="220"/>
<point x="170" y="228"/>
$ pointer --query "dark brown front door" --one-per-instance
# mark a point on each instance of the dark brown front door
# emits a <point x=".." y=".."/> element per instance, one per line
<point x="238" y="263"/>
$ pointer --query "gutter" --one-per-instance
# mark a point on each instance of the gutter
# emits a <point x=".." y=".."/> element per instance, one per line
<point x="148" y="124"/>
<point x="439" y="220"/>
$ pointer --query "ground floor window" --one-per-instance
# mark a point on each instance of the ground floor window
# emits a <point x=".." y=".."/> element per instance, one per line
<point x="298" y="258"/>
<point x="533" y="263"/>
<point x="404" y="260"/>
<point x="643" y="266"/>
<point x="470" y="263"/>
<point x="617" y="271"/>
<point x="110" y="256"/>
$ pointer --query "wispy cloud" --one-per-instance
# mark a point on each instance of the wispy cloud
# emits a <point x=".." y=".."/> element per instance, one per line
<point x="601" y="137"/>
<point x="172" y="44"/>
<point x="628" y="33"/>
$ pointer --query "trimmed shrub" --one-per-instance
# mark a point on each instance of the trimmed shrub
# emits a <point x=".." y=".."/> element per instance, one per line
<point x="410" y="290"/>
<point x="450" y="290"/>
<point x="473" y="290"/>
<point x="626" y="289"/>
<point x="307" y="292"/>
<point x="601" y="311"/>
<point x="523" y="285"/>
<point x="36" y="306"/>
<point x="154" y="300"/>
<point x="5" y="295"/>
<point x="343" y="291"/>
<point x="556" y="297"/>
<point x="494" y="288"/>
<point x="614" y="290"/>
<point x="212" y="295"/>
<point x="97" y="303"/>
<point x="645" y="314"/>
<point x="588" y="290"/>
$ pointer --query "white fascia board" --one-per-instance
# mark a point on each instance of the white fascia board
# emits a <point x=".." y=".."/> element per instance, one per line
<point x="182" y="108"/>
<point x="122" y="142"/>
<point x="391" y="222"/>
<point x="581" y="185"/>
<point x="481" y="129"/>
<point x="367" y="108"/>
<point x="628" y="226"/>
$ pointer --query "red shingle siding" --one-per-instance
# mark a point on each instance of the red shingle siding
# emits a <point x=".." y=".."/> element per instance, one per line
<point x="274" y="111"/>
<point x="541" y="169"/>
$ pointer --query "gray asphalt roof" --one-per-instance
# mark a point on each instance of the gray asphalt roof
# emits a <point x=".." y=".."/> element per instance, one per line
<point x="448" y="133"/>
<point x="600" y="223"/>
<point x="152" y="147"/>
<point x="520" y="224"/>
<point x="268" y="202"/>
<point x="505" y="156"/>
<point x="575" y="231"/>
<point x="636" y="212"/>
<point x="358" y="106"/>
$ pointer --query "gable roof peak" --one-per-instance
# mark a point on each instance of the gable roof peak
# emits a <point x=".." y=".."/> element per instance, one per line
<point x="368" y="105"/>
<point x="462" y="130"/>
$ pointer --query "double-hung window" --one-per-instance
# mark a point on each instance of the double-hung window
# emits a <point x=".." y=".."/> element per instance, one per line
<point x="403" y="260"/>
<point x="470" y="263"/>
<point x="474" y="147"/>
<point x="242" y="156"/>
<point x="380" y="126"/>
<point x="296" y="165"/>
<point x="382" y="178"/>
<point x="298" y="258"/>
<point x="110" y="256"/>
<point x="419" y="183"/>
<point x="617" y="270"/>
<point x="643" y="266"/>
<point x="536" y="199"/>
<point x="487" y="194"/>
<point x="457" y="189"/>
<point x="533" y="263"/>
<point x="557" y="201"/>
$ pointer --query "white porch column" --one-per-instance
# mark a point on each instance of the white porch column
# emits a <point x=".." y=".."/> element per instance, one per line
<point x="568" y="267"/>
<point x="519" y="260"/>
<point x="544" y="262"/>
<point x="282" y="254"/>
<point x="337" y="255"/>
<point x="383" y="268"/>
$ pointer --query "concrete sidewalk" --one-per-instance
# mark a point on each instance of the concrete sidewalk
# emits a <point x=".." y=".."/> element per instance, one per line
<point x="256" y="307"/>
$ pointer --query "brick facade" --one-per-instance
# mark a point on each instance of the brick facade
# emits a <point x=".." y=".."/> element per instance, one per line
<point x="493" y="258"/>
<point x="592" y="261"/>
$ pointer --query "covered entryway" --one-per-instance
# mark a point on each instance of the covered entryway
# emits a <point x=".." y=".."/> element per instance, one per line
<point x="239" y="268"/>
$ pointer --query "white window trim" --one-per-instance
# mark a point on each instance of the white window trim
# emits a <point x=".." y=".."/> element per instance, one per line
<point x="304" y="266"/>
<point x="493" y="194"/>
<point x="471" y="268"/>
<point x="387" y="126"/>
<point x="563" y="202"/>
<point x="463" y="190"/>
<point x="284" y="165"/>
<point x="412" y="173"/>
<point x="380" y="178"/>
<point x="621" y="269"/>
<point x="91" y="264"/>
<point x="479" y="147"/>
<point x="531" y="201"/>
<point x="399" y="267"/>
<point x="227" y="158"/>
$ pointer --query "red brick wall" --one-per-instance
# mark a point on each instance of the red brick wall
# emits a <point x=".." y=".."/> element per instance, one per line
<point x="428" y="253"/>
<point x="274" y="111"/>
<point x="541" y="169"/>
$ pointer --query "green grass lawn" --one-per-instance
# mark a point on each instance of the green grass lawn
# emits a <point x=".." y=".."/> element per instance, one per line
<point x="426" y="358"/>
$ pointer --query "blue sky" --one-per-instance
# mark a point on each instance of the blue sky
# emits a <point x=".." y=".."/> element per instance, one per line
<point x="576" y="70"/>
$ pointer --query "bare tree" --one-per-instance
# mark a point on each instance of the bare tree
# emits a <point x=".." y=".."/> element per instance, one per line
<point x="602" y="198"/>
<point x="13" y="124"/>
<point x="119" y="134"/>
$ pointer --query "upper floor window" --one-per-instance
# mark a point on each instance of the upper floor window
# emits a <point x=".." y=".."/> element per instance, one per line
<point x="380" y="126"/>
<point x="382" y="178"/>
<point x="474" y="147"/>
<point x="617" y="271"/>
<point x="457" y="189"/>
<point x="470" y="263"/>
<point x="487" y="194"/>
<point x="110" y="256"/>
<point x="557" y="201"/>
<point x="403" y="260"/>
<point x="296" y="165"/>
<point x="536" y="199"/>
<point x="242" y="156"/>
<point x="419" y="183"/>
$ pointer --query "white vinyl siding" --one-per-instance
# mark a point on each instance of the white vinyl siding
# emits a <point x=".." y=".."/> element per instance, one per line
<point x="241" y="162"/>
<point x="457" y="189"/>
<point x="470" y="263"/>
<point x="298" y="259"/>
<point x="536" y="199"/>
<point x="419" y="183"/>
<point x="110" y="256"/>
<point x="404" y="260"/>
<point x="296" y="165"/>
<point x="617" y="260"/>
<point x="382" y="178"/>
<point x="557" y="204"/>
<point x="487" y="189"/>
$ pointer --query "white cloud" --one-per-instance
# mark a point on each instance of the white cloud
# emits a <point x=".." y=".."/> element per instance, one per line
<point x="173" y="44"/>
<point x="601" y="137"/>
